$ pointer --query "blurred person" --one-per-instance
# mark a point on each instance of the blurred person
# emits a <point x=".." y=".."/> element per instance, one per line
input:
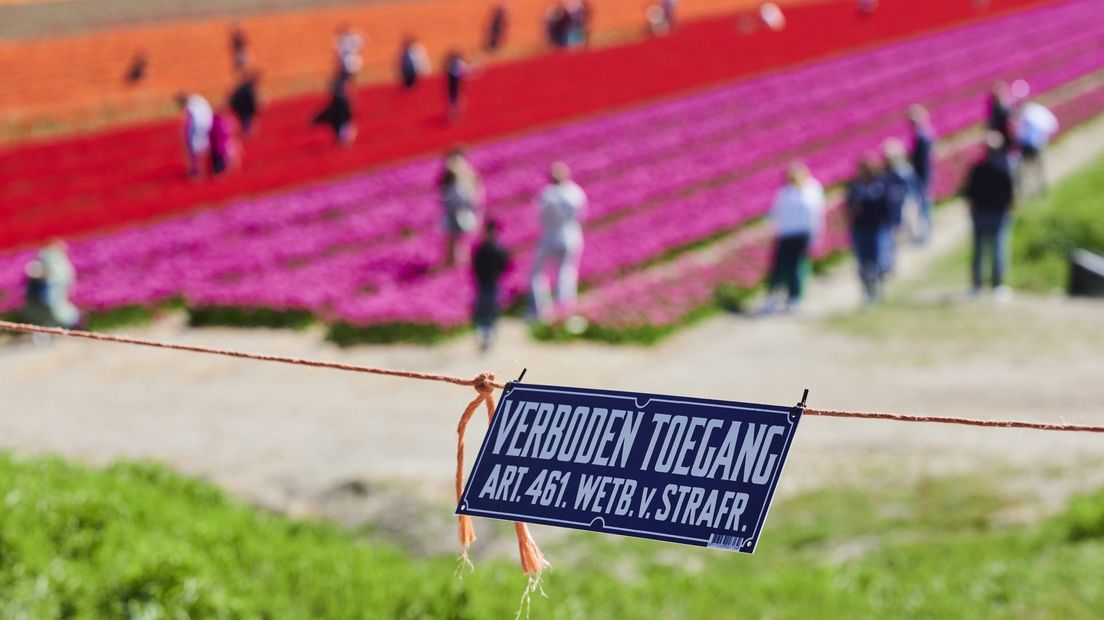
<point x="489" y="262"/>
<point x="584" y="19"/>
<point x="900" y="183"/>
<point x="772" y="17"/>
<point x="239" y="48"/>
<point x="562" y="205"/>
<point x="868" y="213"/>
<point x="496" y="28"/>
<point x="922" y="158"/>
<point x="670" y="10"/>
<point x="797" y="216"/>
<point x="1035" y="126"/>
<point x="867" y="7"/>
<point x="656" y="20"/>
<point x="136" y="70"/>
<point x="224" y="147"/>
<point x="461" y="194"/>
<point x="413" y="62"/>
<point x="456" y="71"/>
<point x="999" y="117"/>
<point x="36" y="305"/>
<point x="990" y="193"/>
<point x="49" y="280"/>
<point x="197" y="128"/>
<point x="348" y="45"/>
<point x="558" y="24"/>
<point x="244" y="103"/>
<point x="338" y="114"/>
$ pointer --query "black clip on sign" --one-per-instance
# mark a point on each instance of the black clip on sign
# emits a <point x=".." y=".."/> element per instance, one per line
<point x="687" y="470"/>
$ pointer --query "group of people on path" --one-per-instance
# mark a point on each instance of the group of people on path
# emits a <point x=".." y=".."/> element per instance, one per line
<point x="892" y="192"/>
<point x="561" y="209"/>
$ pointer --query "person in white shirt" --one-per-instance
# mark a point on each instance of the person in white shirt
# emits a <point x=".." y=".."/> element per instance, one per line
<point x="348" y="45"/>
<point x="198" y="117"/>
<point x="413" y="62"/>
<point x="562" y="205"/>
<point x="1034" y="129"/>
<point x="798" y="219"/>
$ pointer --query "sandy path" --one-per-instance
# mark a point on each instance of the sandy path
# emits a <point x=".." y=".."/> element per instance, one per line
<point x="282" y="435"/>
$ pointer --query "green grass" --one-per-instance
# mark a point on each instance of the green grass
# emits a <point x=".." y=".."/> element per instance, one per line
<point x="1049" y="228"/>
<point x="136" y="541"/>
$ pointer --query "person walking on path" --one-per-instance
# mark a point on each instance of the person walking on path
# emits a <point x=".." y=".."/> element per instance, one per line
<point x="461" y="192"/>
<point x="562" y="206"/>
<point x="900" y="182"/>
<point x="489" y="262"/>
<point x="338" y="114"/>
<point x="413" y="62"/>
<point x="990" y="193"/>
<point x="198" y="116"/>
<point x="797" y="216"/>
<point x="1035" y="127"/>
<point x="922" y="158"/>
<point x="868" y="213"/>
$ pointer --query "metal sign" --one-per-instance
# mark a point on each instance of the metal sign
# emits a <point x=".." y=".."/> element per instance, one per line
<point x="687" y="470"/>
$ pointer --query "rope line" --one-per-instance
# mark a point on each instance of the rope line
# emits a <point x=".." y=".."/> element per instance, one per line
<point x="900" y="417"/>
<point x="480" y="380"/>
<point x="487" y="380"/>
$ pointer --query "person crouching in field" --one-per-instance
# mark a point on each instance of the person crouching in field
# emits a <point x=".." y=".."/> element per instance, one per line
<point x="489" y="262"/>
<point x="338" y="114"/>
<point x="990" y="193"/>
<point x="868" y="210"/>
<point x="797" y="217"/>
<point x="49" y="280"/>
<point x="223" y="144"/>
<point x="198" y="116"/>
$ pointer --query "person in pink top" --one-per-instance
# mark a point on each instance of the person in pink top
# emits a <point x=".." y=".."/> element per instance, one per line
<point x="223" y="144"/>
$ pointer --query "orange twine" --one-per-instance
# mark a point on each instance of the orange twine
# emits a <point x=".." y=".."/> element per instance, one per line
<point x="532" y="561"/>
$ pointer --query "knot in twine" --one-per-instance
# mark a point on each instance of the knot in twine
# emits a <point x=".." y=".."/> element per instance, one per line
<point x="532" y="561"/>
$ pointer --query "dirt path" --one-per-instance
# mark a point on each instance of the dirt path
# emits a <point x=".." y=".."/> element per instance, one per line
<point x="284" y="436"/>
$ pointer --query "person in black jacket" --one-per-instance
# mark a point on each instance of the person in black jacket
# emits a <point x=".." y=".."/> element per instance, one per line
<point x="989" y="190"/>
<point x="868" y="210"/>
<point x="922" y="158"/>
<point x="243" y="101"/>
<point x="489" y="262"/>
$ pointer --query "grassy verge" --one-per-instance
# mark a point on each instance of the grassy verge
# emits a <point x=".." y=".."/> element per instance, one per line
<point x="137" y="541"/>
<point x="1049" y="228"/>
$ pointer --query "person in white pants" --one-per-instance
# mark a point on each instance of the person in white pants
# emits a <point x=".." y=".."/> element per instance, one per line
<point x="562" y="204"/>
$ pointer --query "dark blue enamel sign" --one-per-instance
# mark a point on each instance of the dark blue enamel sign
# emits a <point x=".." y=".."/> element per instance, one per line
<point x="686" y="470"/>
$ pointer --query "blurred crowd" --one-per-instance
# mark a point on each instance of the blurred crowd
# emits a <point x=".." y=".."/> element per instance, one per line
<point x="887" y="203"/>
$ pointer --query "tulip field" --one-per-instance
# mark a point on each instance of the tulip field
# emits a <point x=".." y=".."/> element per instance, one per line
<point x="364" y="254"/>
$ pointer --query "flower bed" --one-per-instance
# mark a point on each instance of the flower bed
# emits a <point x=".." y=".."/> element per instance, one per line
<point x="364" y="253"/>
